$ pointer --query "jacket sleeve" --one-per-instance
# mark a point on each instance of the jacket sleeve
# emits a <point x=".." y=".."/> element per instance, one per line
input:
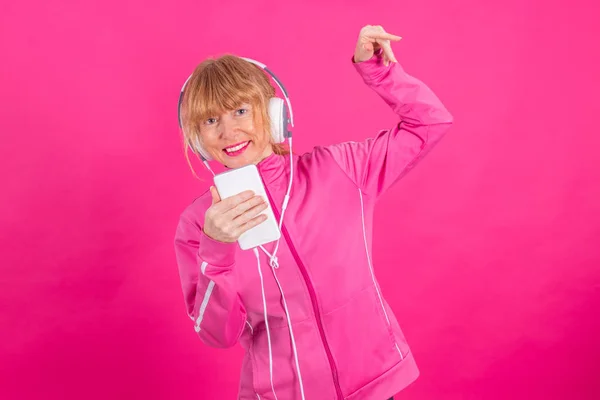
<point x="206" y="270"/>
<point x="377" y="163"/>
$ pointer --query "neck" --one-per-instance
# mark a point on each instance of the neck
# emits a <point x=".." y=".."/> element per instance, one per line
<point x="266" y="153"/>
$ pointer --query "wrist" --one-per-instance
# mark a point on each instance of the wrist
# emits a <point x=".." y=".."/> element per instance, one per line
<point x="215" y="252"/>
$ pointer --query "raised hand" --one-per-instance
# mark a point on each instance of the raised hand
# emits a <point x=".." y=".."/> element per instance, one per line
<point x="370" y="39"/>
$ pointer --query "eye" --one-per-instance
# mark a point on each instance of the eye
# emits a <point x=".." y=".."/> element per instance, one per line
<point x="242" y="111"/>
<point x="210" y="121"/>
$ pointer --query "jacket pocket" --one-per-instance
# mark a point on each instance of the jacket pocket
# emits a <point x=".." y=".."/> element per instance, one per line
<point x="284" y="378"/>
<point x="361" y="340"/>
<point x="315" y="369"/>
<point x="398" y="335"/>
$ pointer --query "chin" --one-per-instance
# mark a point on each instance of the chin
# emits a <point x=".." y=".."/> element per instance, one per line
<point x="240" y="161"/>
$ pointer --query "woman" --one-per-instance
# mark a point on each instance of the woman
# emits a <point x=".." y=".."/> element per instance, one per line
<point x="312" y="319"/>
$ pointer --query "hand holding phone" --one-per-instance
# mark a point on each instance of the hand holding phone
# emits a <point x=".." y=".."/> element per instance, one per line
<point x="234" y="182"/>
<point x="226" y="220"/>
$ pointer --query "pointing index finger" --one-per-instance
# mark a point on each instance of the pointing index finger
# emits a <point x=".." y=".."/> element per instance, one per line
<point x="386" y="36"/>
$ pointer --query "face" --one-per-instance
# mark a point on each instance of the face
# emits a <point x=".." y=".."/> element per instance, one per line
<point x="233" y="139"/>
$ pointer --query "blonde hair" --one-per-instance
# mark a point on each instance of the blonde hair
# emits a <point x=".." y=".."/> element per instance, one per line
<point x="220" y="85"/>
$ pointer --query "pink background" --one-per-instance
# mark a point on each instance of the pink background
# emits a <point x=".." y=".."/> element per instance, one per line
<point x="489" y="251"/>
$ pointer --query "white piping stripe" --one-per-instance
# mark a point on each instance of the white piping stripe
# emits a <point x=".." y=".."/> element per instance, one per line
<point x="362" y="214"/>
<point x="398" y="348"/>
<point x="209" y="290"/>
<point x="251" y="329"/>
<point x="203" y="267"/>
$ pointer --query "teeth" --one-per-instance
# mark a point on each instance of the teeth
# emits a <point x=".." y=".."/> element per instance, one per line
<point x="236" y="148"/>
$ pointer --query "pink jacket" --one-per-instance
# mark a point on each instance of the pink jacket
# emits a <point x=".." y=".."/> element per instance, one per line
<point x="344" y="341"/>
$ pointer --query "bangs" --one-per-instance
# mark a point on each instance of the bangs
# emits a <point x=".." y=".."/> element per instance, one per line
<point x="220" y="88"/>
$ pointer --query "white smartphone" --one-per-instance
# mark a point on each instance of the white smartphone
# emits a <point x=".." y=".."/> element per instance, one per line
<point x="238" y="180"/>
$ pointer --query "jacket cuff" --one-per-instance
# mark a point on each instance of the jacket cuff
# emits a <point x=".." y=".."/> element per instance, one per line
<point x="218" y="254"/>
<point x="373" y="69"/>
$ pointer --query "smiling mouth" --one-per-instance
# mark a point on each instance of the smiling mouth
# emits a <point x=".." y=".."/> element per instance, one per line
<point x="236" y="149"/>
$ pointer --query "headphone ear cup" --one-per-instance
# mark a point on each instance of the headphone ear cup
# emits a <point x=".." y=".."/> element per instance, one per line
<point x="278" y="116"/>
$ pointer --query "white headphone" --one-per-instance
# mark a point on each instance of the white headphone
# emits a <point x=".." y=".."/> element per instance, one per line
<point x="276" y="109"/>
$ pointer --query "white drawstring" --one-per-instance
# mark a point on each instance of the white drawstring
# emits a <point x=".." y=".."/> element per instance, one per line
<point x="287" y="314"/>
<point x="262" y="287"/>
<point x="291" y="330"/>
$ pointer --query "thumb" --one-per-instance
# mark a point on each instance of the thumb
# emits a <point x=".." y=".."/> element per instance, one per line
<point x="215" y="195"/>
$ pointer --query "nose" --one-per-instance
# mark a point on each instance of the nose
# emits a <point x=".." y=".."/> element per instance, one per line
<point x="228" y="126"/>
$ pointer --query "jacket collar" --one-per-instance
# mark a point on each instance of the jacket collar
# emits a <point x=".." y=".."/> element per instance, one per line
<point x="272" y="167"/>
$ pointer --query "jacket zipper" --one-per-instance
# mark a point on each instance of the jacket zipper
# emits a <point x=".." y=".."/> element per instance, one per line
<point x="313" y="297"/>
